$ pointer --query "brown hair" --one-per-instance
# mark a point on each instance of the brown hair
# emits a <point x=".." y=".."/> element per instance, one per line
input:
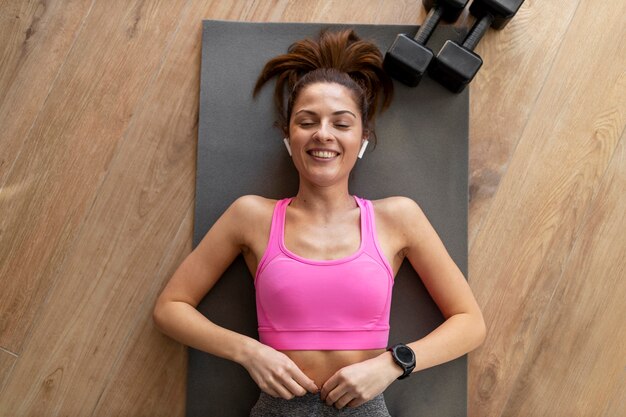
<point x="334" y="57"/>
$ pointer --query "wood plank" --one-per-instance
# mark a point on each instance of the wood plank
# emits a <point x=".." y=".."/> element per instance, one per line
<point x="616" y="405"/>
<point x="158" y="362"/>
<point x="65" y="157"/>
<point x="146" y="355"/>
<point x="35" y="38"/>
<point x="407" y="12"/>
<point x="331" y="11"/>
<point x="95" y="295"/>
<point x="16" y="19"/>
<point x="571" y="352"/>
<point x="7" y="361"/>
<point x="557" y="166"/>
<point x="504" y="93"/>
<point x="263" y="11"/>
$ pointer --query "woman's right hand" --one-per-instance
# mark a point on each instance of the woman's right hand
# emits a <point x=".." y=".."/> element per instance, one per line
<point x="276" y="374"/>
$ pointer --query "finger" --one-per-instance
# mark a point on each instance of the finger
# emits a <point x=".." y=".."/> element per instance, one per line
<point x="355" y="403"/>
<point x="270" y="391"/>
<point x="305" y="382"/>
<point x="281" y="390"/>
<point x="334" y="395"/>
<point x="343" y="401"/>
<point x="266" y="387"/>
<point x="294" y="387"/>
<point x="287" y="380"/>
<point x="330" y="384"/>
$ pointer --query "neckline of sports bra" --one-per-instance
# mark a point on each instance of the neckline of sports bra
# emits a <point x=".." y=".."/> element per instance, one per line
<point x="283" y="247"/>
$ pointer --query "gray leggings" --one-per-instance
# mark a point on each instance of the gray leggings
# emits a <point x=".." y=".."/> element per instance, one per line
<point x="311" y="405"/>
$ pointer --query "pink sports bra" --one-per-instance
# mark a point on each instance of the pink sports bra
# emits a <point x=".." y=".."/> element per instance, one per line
<point x="339" y="304"/>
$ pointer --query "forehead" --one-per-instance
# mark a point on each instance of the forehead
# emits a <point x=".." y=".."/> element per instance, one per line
<point x="332" y="95"/>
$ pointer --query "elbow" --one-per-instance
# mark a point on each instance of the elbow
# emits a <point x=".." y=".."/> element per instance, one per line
<point x="480" y="330"/>
<point x="158" y="314"/>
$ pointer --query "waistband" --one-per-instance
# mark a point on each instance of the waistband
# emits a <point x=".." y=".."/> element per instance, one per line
<point x="325" y="339"/>
<point x="311" y="405"/>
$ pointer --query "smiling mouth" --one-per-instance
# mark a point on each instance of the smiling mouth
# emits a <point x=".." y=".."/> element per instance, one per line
<point x="323" y="154"/>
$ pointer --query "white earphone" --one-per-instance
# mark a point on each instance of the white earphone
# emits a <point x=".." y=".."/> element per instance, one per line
<point x="286" y="141"/>
<point x="363" y="147"/>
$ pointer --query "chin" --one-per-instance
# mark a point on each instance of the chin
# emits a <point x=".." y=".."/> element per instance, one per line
<point x="321" y="180"/>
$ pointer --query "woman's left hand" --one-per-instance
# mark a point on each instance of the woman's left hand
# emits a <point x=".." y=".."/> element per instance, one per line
<point x="356" y="384"/>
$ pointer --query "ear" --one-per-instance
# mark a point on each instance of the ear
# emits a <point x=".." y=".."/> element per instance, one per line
<point x="366" y="135"/>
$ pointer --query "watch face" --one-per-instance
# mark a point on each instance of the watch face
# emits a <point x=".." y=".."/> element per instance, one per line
<point x="404" y="354"/>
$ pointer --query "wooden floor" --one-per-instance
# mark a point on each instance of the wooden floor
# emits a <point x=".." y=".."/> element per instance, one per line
<point x="98" y="124"/>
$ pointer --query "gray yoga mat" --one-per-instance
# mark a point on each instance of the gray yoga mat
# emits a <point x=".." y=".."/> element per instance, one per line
<point x="422" y="153"/>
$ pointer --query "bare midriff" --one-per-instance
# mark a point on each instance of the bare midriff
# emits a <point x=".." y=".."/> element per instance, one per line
<point x="319" y="365"/>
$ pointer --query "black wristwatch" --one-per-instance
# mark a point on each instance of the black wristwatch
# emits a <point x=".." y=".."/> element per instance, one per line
<point x="404" y="357"/>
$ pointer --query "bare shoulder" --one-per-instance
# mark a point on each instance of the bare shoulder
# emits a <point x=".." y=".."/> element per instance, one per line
<point x="249" y="212"/>
<point x="398" y="211"/>
<point x="401" y="220"/>
<point x="251" y="217"/>
<point x="252" y="206"/>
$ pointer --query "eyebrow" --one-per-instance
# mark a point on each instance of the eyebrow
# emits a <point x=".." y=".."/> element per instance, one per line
<point x="334" y="114"/>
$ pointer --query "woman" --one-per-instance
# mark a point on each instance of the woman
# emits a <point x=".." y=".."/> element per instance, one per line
<point x="324" y="260"/>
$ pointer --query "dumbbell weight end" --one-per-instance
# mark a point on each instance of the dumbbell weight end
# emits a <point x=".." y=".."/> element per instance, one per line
<point x="501" y="10"/>
<point x="406" y="60"/>
<point x="455" y="67"/>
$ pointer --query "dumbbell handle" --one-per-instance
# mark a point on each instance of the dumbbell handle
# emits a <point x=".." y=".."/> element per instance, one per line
<point x="478" y="31"/>
<point x="427" y="28"/>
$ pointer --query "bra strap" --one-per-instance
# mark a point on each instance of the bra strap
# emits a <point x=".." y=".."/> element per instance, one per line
<point x="371" y="244"/>
<point x="276" y="231"/>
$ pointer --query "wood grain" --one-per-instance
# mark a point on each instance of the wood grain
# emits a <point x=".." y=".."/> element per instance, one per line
<point x="593" y="367"/>
<point x="70" y="147"/>
<point x="330" y="11"/>
<point x="7" y="361"/>
<point x="148" y="355"/>
<point x="616" y="404"/>
<point x="96" y="288"/>
<point x="37" y="36"/>
<point x="504" y="93"/>
<point x="399" y="12"/>
<point x="551" y="182"/>
<point x="98" y="126"/>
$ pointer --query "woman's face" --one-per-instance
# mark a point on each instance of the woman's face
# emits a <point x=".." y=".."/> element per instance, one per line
<point x="325" y="133"/>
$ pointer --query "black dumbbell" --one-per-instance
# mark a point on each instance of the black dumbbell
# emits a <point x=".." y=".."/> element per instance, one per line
<point x="408" y="58"/>
<point x="456" y="65"/>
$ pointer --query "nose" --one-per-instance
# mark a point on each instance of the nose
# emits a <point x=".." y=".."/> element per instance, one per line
<point x="324" y="134"/>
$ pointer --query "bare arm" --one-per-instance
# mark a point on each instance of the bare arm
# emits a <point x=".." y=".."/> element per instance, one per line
<point x="464" y="328"/>
<point x="175" y="312"/>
